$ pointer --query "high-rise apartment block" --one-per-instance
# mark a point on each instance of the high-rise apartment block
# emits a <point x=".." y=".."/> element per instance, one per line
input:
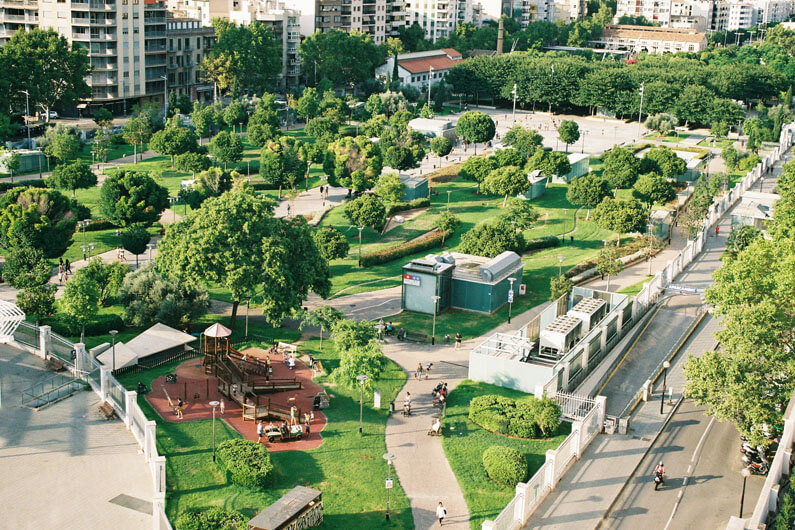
<point x="707" y="15"/>
<point x="189" y="42"/>
<point x="17" y="15"/>
<point x="527" y="11"/>
<point x="439" y="18"/>
<point x="378" y="18"/>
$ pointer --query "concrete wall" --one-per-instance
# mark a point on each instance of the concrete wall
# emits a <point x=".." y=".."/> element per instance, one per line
<point x="420" y="298"/>
<point x="508" y="373"/>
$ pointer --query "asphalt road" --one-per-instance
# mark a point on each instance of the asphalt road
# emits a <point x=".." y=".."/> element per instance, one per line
<point x="703" y="482"/>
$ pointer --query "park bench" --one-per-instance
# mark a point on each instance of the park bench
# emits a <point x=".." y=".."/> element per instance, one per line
<point x="54" y="364"/>
<point x="419" y="338"/>
<point x="106" y="409"/>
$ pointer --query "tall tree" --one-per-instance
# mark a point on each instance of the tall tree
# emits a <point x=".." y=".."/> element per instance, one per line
<point x="367" y="210"/>
<point x="389" y="187"/>
<point x="569" y="132"/>
<point x="353" y="162"/>
<point x="331" y="55"/>
<point x="80" y="301"/>
<point x="621" y="167"/>
<point x="588" y="190"/>
<point x="663" y="161"/>
<point x="134" y="240"/>
<point x="65" y="147"/>
<point x="526" y="141"/>
<point x="226" y="148"/>
<point x="441" y="146"/>
<point x="72" y="176"/>
<point x="608" y="263"/>
<point x="476" y="127"/>
<point x="280" y="162"/>
<point x="621" y="216"/>
<point x="38" y="217"/>
<point x="148" y="298"/>
<point x="652" y="188"/>
<point x="129" y="197"/>
<point x="508" y="180"/>
<point x="137" y="131"/>
<point x="234" y="241"/>
<point x="173" y="141"/>
<point x="476" y="168"/>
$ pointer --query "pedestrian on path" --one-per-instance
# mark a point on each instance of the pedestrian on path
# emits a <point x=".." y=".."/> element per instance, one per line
<point x="418" y="372"/>
<point x="458" y="340"/>
<point x="223" y="406"/>
<point x="717" y="229"/>
<point x="441" y="512"/>
<point x="288" y="209"/>
<point x="180" y="404"/>
<point x="68" y="266"/>
<point x="60" y="274"/>
<point x="260" y="430"/>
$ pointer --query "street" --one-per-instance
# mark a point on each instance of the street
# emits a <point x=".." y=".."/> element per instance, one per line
<point x="701" y="458"/>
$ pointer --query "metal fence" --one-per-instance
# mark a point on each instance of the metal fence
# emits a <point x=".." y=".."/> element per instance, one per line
<point x="573" y="406"/>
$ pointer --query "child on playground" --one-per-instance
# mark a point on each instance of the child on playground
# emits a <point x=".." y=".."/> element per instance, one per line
<point x="178" y="410"/>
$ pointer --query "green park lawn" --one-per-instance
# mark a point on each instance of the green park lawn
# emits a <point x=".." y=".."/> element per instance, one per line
<point x="347" y="467"/>
<point x="635" y="288"/>
<point x="464" y="443"/>
<point x="721" y="142"/>
<point x="670" y="137"/>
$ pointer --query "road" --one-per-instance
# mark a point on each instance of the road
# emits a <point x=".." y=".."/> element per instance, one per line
<point x="701" y="457"/>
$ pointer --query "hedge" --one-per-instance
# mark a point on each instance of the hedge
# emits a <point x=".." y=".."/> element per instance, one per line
<point x="504" y="465"/>
<point x="99" y="224"/>
<point x="528" y="418"/>
<point x="392" y="209"/>
<point x="542" y="242"/>
<point x="215" y="518"/>
<point x="63" y="325"/>
<point x="36" y="183"/>
<point x="424" y="242"/>
<point x="248" y="462"/>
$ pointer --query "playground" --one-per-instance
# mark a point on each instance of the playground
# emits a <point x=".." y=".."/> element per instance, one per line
<point x="253" y="384"/>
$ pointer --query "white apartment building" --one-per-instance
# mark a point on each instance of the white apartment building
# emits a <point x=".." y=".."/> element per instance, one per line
<point x="695" y="14"/>
<point x="651" y="39"/>
<point x="704" y="15"/>
<point x="653" y="10"/>
<point x="439" y="18"/>
<point x="378" y="18"/>
<point x="16" y="15"/>
<point x="527" y="11"/>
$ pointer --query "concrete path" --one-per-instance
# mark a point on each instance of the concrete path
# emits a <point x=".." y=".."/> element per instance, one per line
<point x="64" y="466"/>
<point x="310" y="203"/>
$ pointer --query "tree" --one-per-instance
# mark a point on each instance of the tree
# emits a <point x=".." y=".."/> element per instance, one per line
<point x="353" y="162"/>
<point x="526" y="141"/>
<point x="331" y="243"/>
<point x="64" y="147"/>
<point x="694" y="104"/>
<point x="12" y="162"/>
<point x="390" y="188"/>
<point x="608" y="263"/>
<point x="80" y="301"/>
<point x="476" y="127"/>
<point x="137" y="131"/>
<point x="234" y="241"/>
<point x="148" y="298"/>
<point x="663" y="161"/>
<point x="37" y="300"/>
<point x="476" y="168"/>
<point x="558" y="286"/>
<point x="280" y="162"/>
<point x="173" y="141"/>
<point x="508" y="180"/>
<point x="129" y="197"/>
<point x="134" y="240"/>
<point x="508" y="157"/>
<point x="43" y="63"/>
<point x="100" y="146"/>
<point x="340" y="57"/>
<point x="348" y="333"/>
<point x="103" y="117"/>
<point x="520" y="213"/>
<point x="550" y="163"/>
<point x="263" y="126"/>
<point x="621" y="167"/>
<point x="324" y="130"/>
<point x="621" y="216"/>
<point x="569" y="132"/>
<point x="367" y="360"/>
<point x="730" y="156"/>
<point x="235" y="114"/>
<point x="192" y="162"/>
<point x="244" y="57"/>
<point x="106" y="276"/>
<point x="308" y="104"/>
<point x="40" y="218"/>
<point x="740" y="237"/>
<point x="441" y="146"/>
<point x="400" y="158"/>
<point x="72" y="176"/>
<point x="491" y="239"/>
<point x="446" y="222"/>
<point x="662" y="123"/>
<point x="202" y="119"/>
<point x="366" y="210"/>
<point x="652" y="188"/>
<point x="588" y="190"/>
<point x="374" y="106"/>
<point x="323" y="317"/>
<point x="25" y="267"/>
<point x="226" y="148"/>
<point x="719" y="128"/>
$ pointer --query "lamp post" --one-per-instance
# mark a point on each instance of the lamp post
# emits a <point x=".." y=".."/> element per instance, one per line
<point x="649" y="249"/>
<point x="389" y="457"/>
<point x="150" y="246"/>
<point x="514" y="102"/>
<point x="761" y="181"/>
<point x="27" y="115"/>
<point x="214" y="404"/>
<point x="360" y="245"/>
<point x="745" y="473"/>
<point x="448" y="198"/>
<point x="430" y="75"/>
<point x="582" y="148"/>
<point x="640" y="110"/>
<point x="113" y="333"/>
<point x="510" y="298"/>
<point x="435" y="310"/>
<point x="172" y="201"/>
<point x="165" y="112"/>
<point x="362" y="379"/>
<point x="666" y="365"/>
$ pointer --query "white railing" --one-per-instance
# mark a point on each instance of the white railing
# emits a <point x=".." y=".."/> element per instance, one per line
<point x="572" y="405"/>
<point x="531" y="493"/>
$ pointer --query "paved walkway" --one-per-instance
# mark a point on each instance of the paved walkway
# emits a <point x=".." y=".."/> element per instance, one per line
<point x="64" y="466"/>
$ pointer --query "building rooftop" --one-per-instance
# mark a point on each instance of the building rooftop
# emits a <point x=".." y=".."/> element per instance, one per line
<point x="563" y="324"/>
<point x="623" y="31"/>
<point x="444" y="60"/>
<point x="588" y="306"/>
<point x="411" y="181"/>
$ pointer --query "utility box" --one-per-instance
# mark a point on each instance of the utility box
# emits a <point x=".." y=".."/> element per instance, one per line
<point x="414" y="187"/>
<point x="538" y="185"/>
<point x="591" y="311"/>
<point x="560" y="336"/>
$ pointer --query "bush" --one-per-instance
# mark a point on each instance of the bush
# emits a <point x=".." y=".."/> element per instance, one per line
<point x="99" y="224"/>
<point x="504" y="465"/>
<point x="215" y="518"/>
<point x="429" y="240"/>
<point x="528" y="418"/>
<point x="100" y="325"/>
<point x="542" y="242"/>
<point x="248" y="462"/>
<point x="393" y="208"/>
<point x="5" y="186"/>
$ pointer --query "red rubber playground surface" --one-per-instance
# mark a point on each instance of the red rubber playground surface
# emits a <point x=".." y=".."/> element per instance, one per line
<point x="197" y="390"/>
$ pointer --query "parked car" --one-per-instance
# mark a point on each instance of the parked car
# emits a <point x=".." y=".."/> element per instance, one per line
<point x="52" y="115"/>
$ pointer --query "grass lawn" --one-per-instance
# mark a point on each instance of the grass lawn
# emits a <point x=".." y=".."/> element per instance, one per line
<point x="103" y="240"/>
<point x="347" y="467"/>
<point x="670" y="137"/>
<point x="719" y="142"/>
<point x="635" y="288"/>
<point x="464" y="443"/>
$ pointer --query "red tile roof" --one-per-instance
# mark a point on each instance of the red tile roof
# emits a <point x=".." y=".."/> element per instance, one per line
<point x="451" y="52"/>
<point x="422" y="64"/>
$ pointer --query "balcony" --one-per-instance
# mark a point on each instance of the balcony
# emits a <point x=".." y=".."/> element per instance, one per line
<point x="81" y="36"/>
<point x="173" y="66"/>
<point x="103" y="81"/>
<point x="105" y="68"/>
<point x="81" y="22"/>
<point x="101" y="6"/>
<point x="19" y="3"/>
<point x="22" y="18"/>
<point x="154" y="34"/>
<point x="155" y="49"/>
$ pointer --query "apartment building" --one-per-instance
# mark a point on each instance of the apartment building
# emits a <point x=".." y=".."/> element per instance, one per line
<point x="651" y="39"/>
<point x="440" y="18"/>
<point x="378" y="18"/>
<point x="695" y="14"/>
<point x="527" y="11"/>
<point x="653" y="10"/>
<point x="16" y="15"/>
<point x="189" y="42"/>
<point x="706" y="15"/>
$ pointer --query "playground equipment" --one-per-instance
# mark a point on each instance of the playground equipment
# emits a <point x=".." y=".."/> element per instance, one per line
<point x="245" y="379"/>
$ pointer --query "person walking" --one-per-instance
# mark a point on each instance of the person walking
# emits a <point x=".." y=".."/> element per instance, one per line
<point x="441" y="512"/>
<point x="418" y="373"/>
<point x="223" y="406"/>
<point x="180" y="404"/>
<point x="68" y="266"/>
<point x="717" y="229"/>
<point x="60" y="274"/>
<point x="260" y="431"/>
<point x="458" y="340"/>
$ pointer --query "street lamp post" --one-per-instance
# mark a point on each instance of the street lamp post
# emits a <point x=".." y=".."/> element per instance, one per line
<point x="165" y="106"/>
<point x="560" y="266"/>
<point x="514" y="102"/>
<point x="746" y="473"/>
<point x="27" y="115"/>
<point x="761" y="181"/>
<point x="362" y="379"/>
<point x="150" y="246"/>
<point x="389" y="457"/>
<point x="666" y="365"/>
<point x="214" y="404"/>
<point x="510" y="298"/>
<point x="172" y="201"/>
<point x="448" y="198"/>
<point x="582" y="148"/>
<point x="435" y="310"/>
<point x="113" y="333"/>
<point x="360" y="245"/>
<point x="640" y="110"/>
<point x="430" y="75"/>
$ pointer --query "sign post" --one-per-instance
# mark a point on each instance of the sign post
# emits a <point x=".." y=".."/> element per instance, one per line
<point x="389" y="457"/>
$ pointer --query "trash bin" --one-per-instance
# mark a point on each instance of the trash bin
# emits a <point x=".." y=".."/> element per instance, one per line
<point x="392" y="407"/>
<point x="316" y="403"/>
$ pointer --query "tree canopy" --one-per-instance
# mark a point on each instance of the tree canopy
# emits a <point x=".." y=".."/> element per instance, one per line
<point x="588" y="190"/>
<point x="149" y="298"/>
<point x="72" y="176"/>
<point x="37" y="217"/>
<point x="353" y="162"/>
<point x="621" y="215"/>
<point x="621" y="167"/>
<point x="476" y="127"/>
<point x="652" y="188"/>
<point x="367" y="210"/>
<point x="491" y="239"/>
<point x="340" y="57"/>
<point x="129" y="197"/>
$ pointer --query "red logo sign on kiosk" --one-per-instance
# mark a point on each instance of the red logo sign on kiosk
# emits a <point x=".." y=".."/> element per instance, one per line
<point x="411" y="279"/>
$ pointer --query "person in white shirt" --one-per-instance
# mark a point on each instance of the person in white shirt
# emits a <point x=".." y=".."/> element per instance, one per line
<point x="441" y="512"/>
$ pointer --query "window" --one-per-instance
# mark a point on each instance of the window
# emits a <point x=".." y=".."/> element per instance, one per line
<point x="124" y="16"/>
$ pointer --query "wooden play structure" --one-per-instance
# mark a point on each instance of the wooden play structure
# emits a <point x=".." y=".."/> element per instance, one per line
<point x="246" y="379"/>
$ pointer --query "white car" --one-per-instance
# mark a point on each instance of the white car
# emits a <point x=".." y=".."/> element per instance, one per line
<point x="52" y="115"/>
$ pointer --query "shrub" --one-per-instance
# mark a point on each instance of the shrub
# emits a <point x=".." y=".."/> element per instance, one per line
<point x="215" y="518"/>
<point x="100" y="325"/>
<point x="429" y="240"/>
<point x="248" y="462"/>
<point x="528" y="418"/>
<point x="99" y="224"/>
<point x="393" y="208"/>
<point x="504" y="465"/>
<point x="542" y="242"/>
<point x="36" y="183"/>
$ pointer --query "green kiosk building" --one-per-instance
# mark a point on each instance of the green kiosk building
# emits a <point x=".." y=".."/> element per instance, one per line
<point x="414" y="187"/>
<point x="461" y="281"/>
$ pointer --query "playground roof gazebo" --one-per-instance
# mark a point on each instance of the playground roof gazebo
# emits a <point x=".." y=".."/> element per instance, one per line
<point x="217" y="331"/>
<point x="10" y="318"/>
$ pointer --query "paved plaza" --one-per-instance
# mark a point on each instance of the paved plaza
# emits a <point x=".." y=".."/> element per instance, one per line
<point x="64" y="466"/>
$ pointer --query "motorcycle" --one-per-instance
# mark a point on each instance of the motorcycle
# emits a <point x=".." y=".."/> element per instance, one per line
<point x="757" y="467"/>
<point x="658" y="480"/>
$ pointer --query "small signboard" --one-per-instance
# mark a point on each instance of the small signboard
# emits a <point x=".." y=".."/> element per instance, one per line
<point x="411" y="279"/>
<point x="389" y="483"/>
<point x="377" y="399"/>
<point x="682" y="288"/>
<point x="510" y="296"/>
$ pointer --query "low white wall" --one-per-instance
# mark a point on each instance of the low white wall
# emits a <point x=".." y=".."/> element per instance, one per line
<point x="508" y="373"/>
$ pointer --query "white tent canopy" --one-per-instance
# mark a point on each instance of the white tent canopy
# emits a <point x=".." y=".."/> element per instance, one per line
<point x="125" y="356"/>
<point x="10" y="318"/>
<point x="158" y="338"/>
